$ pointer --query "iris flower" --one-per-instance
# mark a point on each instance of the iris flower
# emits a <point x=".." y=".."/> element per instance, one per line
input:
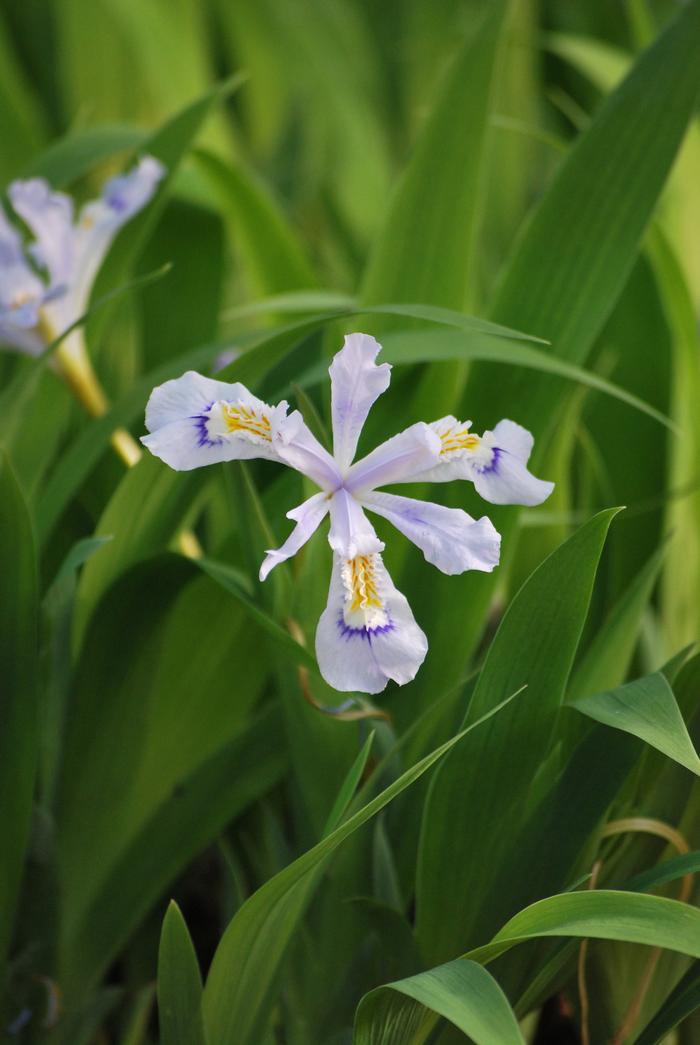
<point x="46" y="288"/>
<point x="367" y="634"/>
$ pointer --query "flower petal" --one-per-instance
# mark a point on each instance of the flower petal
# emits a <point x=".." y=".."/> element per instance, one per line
<point x="195" y="420"/>
<point x="21" y="290"/>
<point x="448" y="537"/>
<point x="506" y="480"/>
<point x="494" y="462"/>
<point x="367" y="634"/>
<point x="351" y="532"/>
<point x="308" y="517"/>
<point x="298" y="447"/>
<point x="99" y="222"/>
<point x="356" y="384"/>
<point x="49" y="215"/>
<point x="398" y="460"/>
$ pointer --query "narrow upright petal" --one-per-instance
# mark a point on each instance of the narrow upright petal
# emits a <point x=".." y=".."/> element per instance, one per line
<point x="49" y="216"/>
<point x="98" y="224"/>
<point x="195" y="420"/>
<point x="308" y="516"/>
<point x="356" y="384"/>
<point x="398" y="460"/>
<point x="351" y="532"/>
<point x="495" y="462"/>
<point x="448" y="537"/>
<point x="367" y="634"/>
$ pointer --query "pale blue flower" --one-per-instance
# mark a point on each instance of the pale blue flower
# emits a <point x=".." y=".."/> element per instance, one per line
<point x="46" y="288"/>
<point x="367" y="634"/>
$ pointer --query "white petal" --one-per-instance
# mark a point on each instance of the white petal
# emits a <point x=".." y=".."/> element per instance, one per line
<point x="506" y="480"/>
<point x="195" y="420"/>
<point x="351" y="532"/>
<point x="448" y="537"/>
<point x="308" y="517"/>
<point x="398" y="460"/>
<point x="356" y="383"/>
<point x="99" y="222"/>
<point x="298" y="447"/>
<point x="513" y="438"/>
<point x="367" y="634"/>
<point x="49" y="215"/>
<point x="494" y="462"/>
<point x="23" y="340"/>
<point x="21" y="290"/>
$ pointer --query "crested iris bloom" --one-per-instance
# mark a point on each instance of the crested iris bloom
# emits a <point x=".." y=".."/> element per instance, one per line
<point x="367" y="633"/>
<point x="46" y="288"/>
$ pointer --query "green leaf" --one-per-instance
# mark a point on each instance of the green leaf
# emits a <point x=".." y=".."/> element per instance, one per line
<point x="73" y="156"/>
<point x="668" y="871"/>
<point x="568" y="268"/>
<point x="349" y="786"/>
<point x="168" y="144"/>
<point x="143" y="515"/>
<point x="179" y="984"/>
<point x="608" y="657"/>
<point x="681" y="1002"/>
<point x="19" y="653"/>
<point x="437" y="202"/>
<point x="647" y="709"/>
<point x="156" y="733"/>
<point x="535" y="645"/>
<point x="602" y="915"/>
<point x="242" y="978"/>
<point x="461" y="991"/>
<point x="272" y="254"/>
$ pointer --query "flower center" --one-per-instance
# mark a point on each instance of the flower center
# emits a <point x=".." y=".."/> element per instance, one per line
<point x="246" y="419"/>
<point x="22" y="297"/>
<point x="458" y="438"/>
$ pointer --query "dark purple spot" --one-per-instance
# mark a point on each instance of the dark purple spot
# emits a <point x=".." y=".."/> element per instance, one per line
<point x="346" y="632"/>
<point x="493" y="466"/>
<point x="200" y="423"/>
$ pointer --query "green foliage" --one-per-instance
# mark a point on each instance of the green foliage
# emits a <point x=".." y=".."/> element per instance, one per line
<point x="185" y="804"/>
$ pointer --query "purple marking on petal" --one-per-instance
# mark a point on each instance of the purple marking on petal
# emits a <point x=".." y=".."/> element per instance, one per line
<point x="203" y="432"/>
<point x="492" y="468"/>
<point x="346" y="632"/>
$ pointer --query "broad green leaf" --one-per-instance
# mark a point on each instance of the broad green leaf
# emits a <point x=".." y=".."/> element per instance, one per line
<point x="145" y="512"/>
<point x="681" y="1002"/>
<point x="179" y="984"/>
<point x="168" y="144"/>
<point x="568" y="268"/>
<point x="426" y="247"/>
<point x="200" y="806"/>
<point x="161" y="682"/>
<point x="646" y="708"/>
<point x="461" y="991"/>
<point x="272" y="255"/>
<point x="602" y="914"/>
<point x="19" y="639"/>
<point x="534" y="646"/>
<point x="607" y="659"/>
<point x="71" y="157"/>
<point x="242" y="977"/>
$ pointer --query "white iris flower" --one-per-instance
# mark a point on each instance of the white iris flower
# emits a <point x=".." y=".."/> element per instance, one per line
<point x="367" y="633"/>
<point x="44" y="290"/>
